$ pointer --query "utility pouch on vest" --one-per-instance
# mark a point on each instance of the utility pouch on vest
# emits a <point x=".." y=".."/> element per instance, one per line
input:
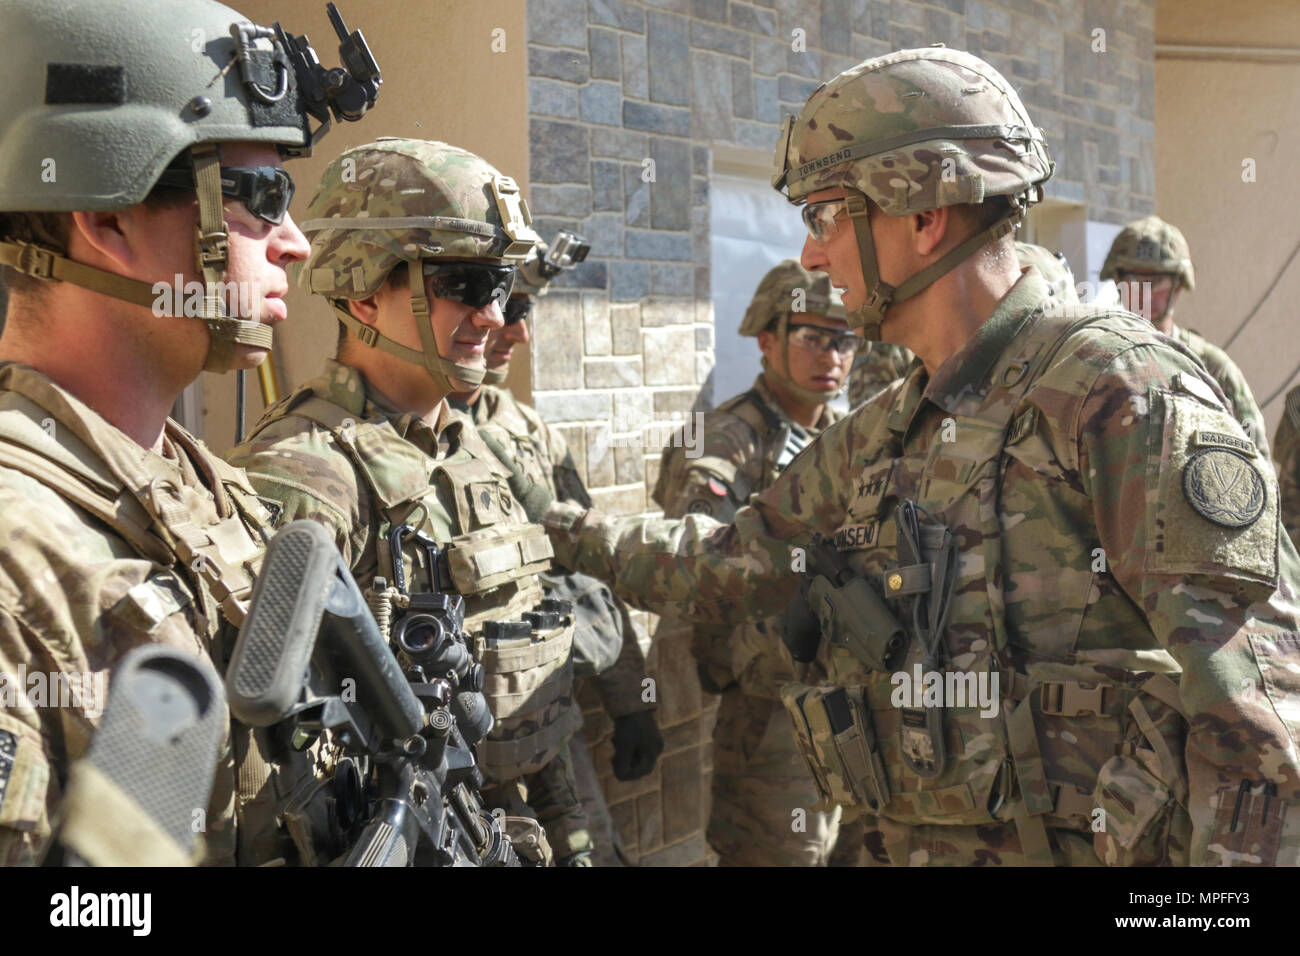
<point x="529" y="688"/>
<point x="924" y="581"/>
<point x="851" y="613"/>
<point x="482" y="560"/>
<point x="1142" y="791"/>
<point x="834" y="734"/>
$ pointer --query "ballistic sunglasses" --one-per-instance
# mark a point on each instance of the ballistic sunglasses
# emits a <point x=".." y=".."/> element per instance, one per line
<point x="817" y="339"/>
<point x="265" y="191"/>
<point x="820" y="218"/>
<point x="517" y="310"/>
<point x="471" y="283"/>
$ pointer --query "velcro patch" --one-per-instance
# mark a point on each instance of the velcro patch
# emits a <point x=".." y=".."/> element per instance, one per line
<point x="67" y="83"/>
<point x="1216" y="510"/>
<point x="1224" y="487"/>
<point x="857" y="537"/>
<point x="1221" y="440"/>
<point x="1023" y="425"/>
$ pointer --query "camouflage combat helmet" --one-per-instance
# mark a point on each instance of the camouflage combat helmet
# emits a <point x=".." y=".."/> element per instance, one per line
<point x="98" y="98"/>
<point x="409" y="200"/>
<point x="1151" y="246"/>
<point x="787" y="291"/>
<point x="912" y="131"/>
<point x="1053" y="268"/>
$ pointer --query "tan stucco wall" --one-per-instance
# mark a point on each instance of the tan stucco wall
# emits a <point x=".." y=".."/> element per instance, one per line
<point x="442" y="80"/>
<point x="1211" y="113"/>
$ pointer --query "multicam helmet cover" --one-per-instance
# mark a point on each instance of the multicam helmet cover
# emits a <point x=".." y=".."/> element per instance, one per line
<point x="1053" y="268"/>
<point x="409" y="200"/>
<point x="912" y="131"/>
<point x="1151" y="246"/>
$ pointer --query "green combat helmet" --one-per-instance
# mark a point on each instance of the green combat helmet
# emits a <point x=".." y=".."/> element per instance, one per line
<point x="544" y="263"/>
<point x="787" y="290"/>
<point x="1053" y="267"/>
<point x="912" y="131"/>
<point x="97" y="104"/>
<point x="1150" y="246"/>
<point x="409" y="200"/>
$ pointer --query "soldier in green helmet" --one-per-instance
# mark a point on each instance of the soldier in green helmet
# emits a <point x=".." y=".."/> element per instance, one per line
<point x="605" y="648"/>
<point x="416" y="245"/>
<point x="1151" y="266"/>
<point x="762" y="803"/>
<point x="1042" y="573"/>
<point x="144" y="237"/>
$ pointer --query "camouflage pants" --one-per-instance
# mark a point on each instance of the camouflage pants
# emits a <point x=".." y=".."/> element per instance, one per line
<point x="762" y="792"/>
<point x="551" y="796"/>
<point x="996" y="844"/>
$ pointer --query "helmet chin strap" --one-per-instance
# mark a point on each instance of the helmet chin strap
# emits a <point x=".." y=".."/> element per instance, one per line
<point x="496" y="376"/>
<point x="212" y="251"/>
<point x="449" y="376"/>
<point x="212" y="246"/>
<point x="880" y="294"/>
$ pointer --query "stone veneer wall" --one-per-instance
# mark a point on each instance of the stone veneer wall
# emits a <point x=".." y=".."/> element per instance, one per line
<point x="627" y="337"/>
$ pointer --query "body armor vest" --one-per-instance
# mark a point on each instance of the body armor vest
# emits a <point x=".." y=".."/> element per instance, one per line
<point x="493" y="557"/>
<point x="1065" y="735"/>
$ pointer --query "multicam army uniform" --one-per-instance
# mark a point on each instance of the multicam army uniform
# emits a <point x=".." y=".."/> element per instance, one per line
<point x="759" y="780"/>
<point x="879" y="366"/>
<point x="1117" y="568"/>
<point x="338" y="452"/>
<point x="545" y="457"/>
<point x="1286" y="457"/>
<point x="109" y="546"/>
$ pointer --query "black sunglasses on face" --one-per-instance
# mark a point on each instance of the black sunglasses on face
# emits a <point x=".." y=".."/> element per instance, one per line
<point x="517" y="310"/>
<point x="471" y="283"/>
<point x="265" y="191"/>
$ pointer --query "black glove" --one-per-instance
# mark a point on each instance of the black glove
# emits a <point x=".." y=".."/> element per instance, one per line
<point x="637" y="744"/>
<point x="535" y="497"/>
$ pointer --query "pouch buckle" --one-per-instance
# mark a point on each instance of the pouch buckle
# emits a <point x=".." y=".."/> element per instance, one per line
<point x="1072" y="699"/>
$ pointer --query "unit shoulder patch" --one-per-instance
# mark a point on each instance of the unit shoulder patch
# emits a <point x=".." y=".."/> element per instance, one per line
<point x="1224" y="487"/>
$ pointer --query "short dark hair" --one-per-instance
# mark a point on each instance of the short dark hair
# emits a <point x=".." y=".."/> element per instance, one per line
<point x="52" y="230"/>
<point x="400" y="276"/>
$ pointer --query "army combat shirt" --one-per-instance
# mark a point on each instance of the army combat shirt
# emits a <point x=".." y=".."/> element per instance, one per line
<point x="1136" y="528"/>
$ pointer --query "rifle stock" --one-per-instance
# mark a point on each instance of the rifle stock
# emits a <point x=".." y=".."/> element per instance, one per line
<point x="310" y="660"/>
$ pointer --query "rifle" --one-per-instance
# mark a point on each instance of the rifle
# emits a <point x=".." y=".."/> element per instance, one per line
<point x="310" y="660"/>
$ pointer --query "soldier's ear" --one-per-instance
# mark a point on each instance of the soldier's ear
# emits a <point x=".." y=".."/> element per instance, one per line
<point x="929" y="229"/>
<point x="106" y="239"/>
<point x="366" y="310"/>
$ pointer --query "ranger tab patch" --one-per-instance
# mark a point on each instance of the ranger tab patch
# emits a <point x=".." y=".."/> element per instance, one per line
<point x="1224" y="487"/>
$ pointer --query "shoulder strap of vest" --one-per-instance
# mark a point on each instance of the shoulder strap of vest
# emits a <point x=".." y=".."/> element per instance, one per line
<point x="74" y="474"/>
<point x="752" y="410"/>
<point x="120" y="512"/>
